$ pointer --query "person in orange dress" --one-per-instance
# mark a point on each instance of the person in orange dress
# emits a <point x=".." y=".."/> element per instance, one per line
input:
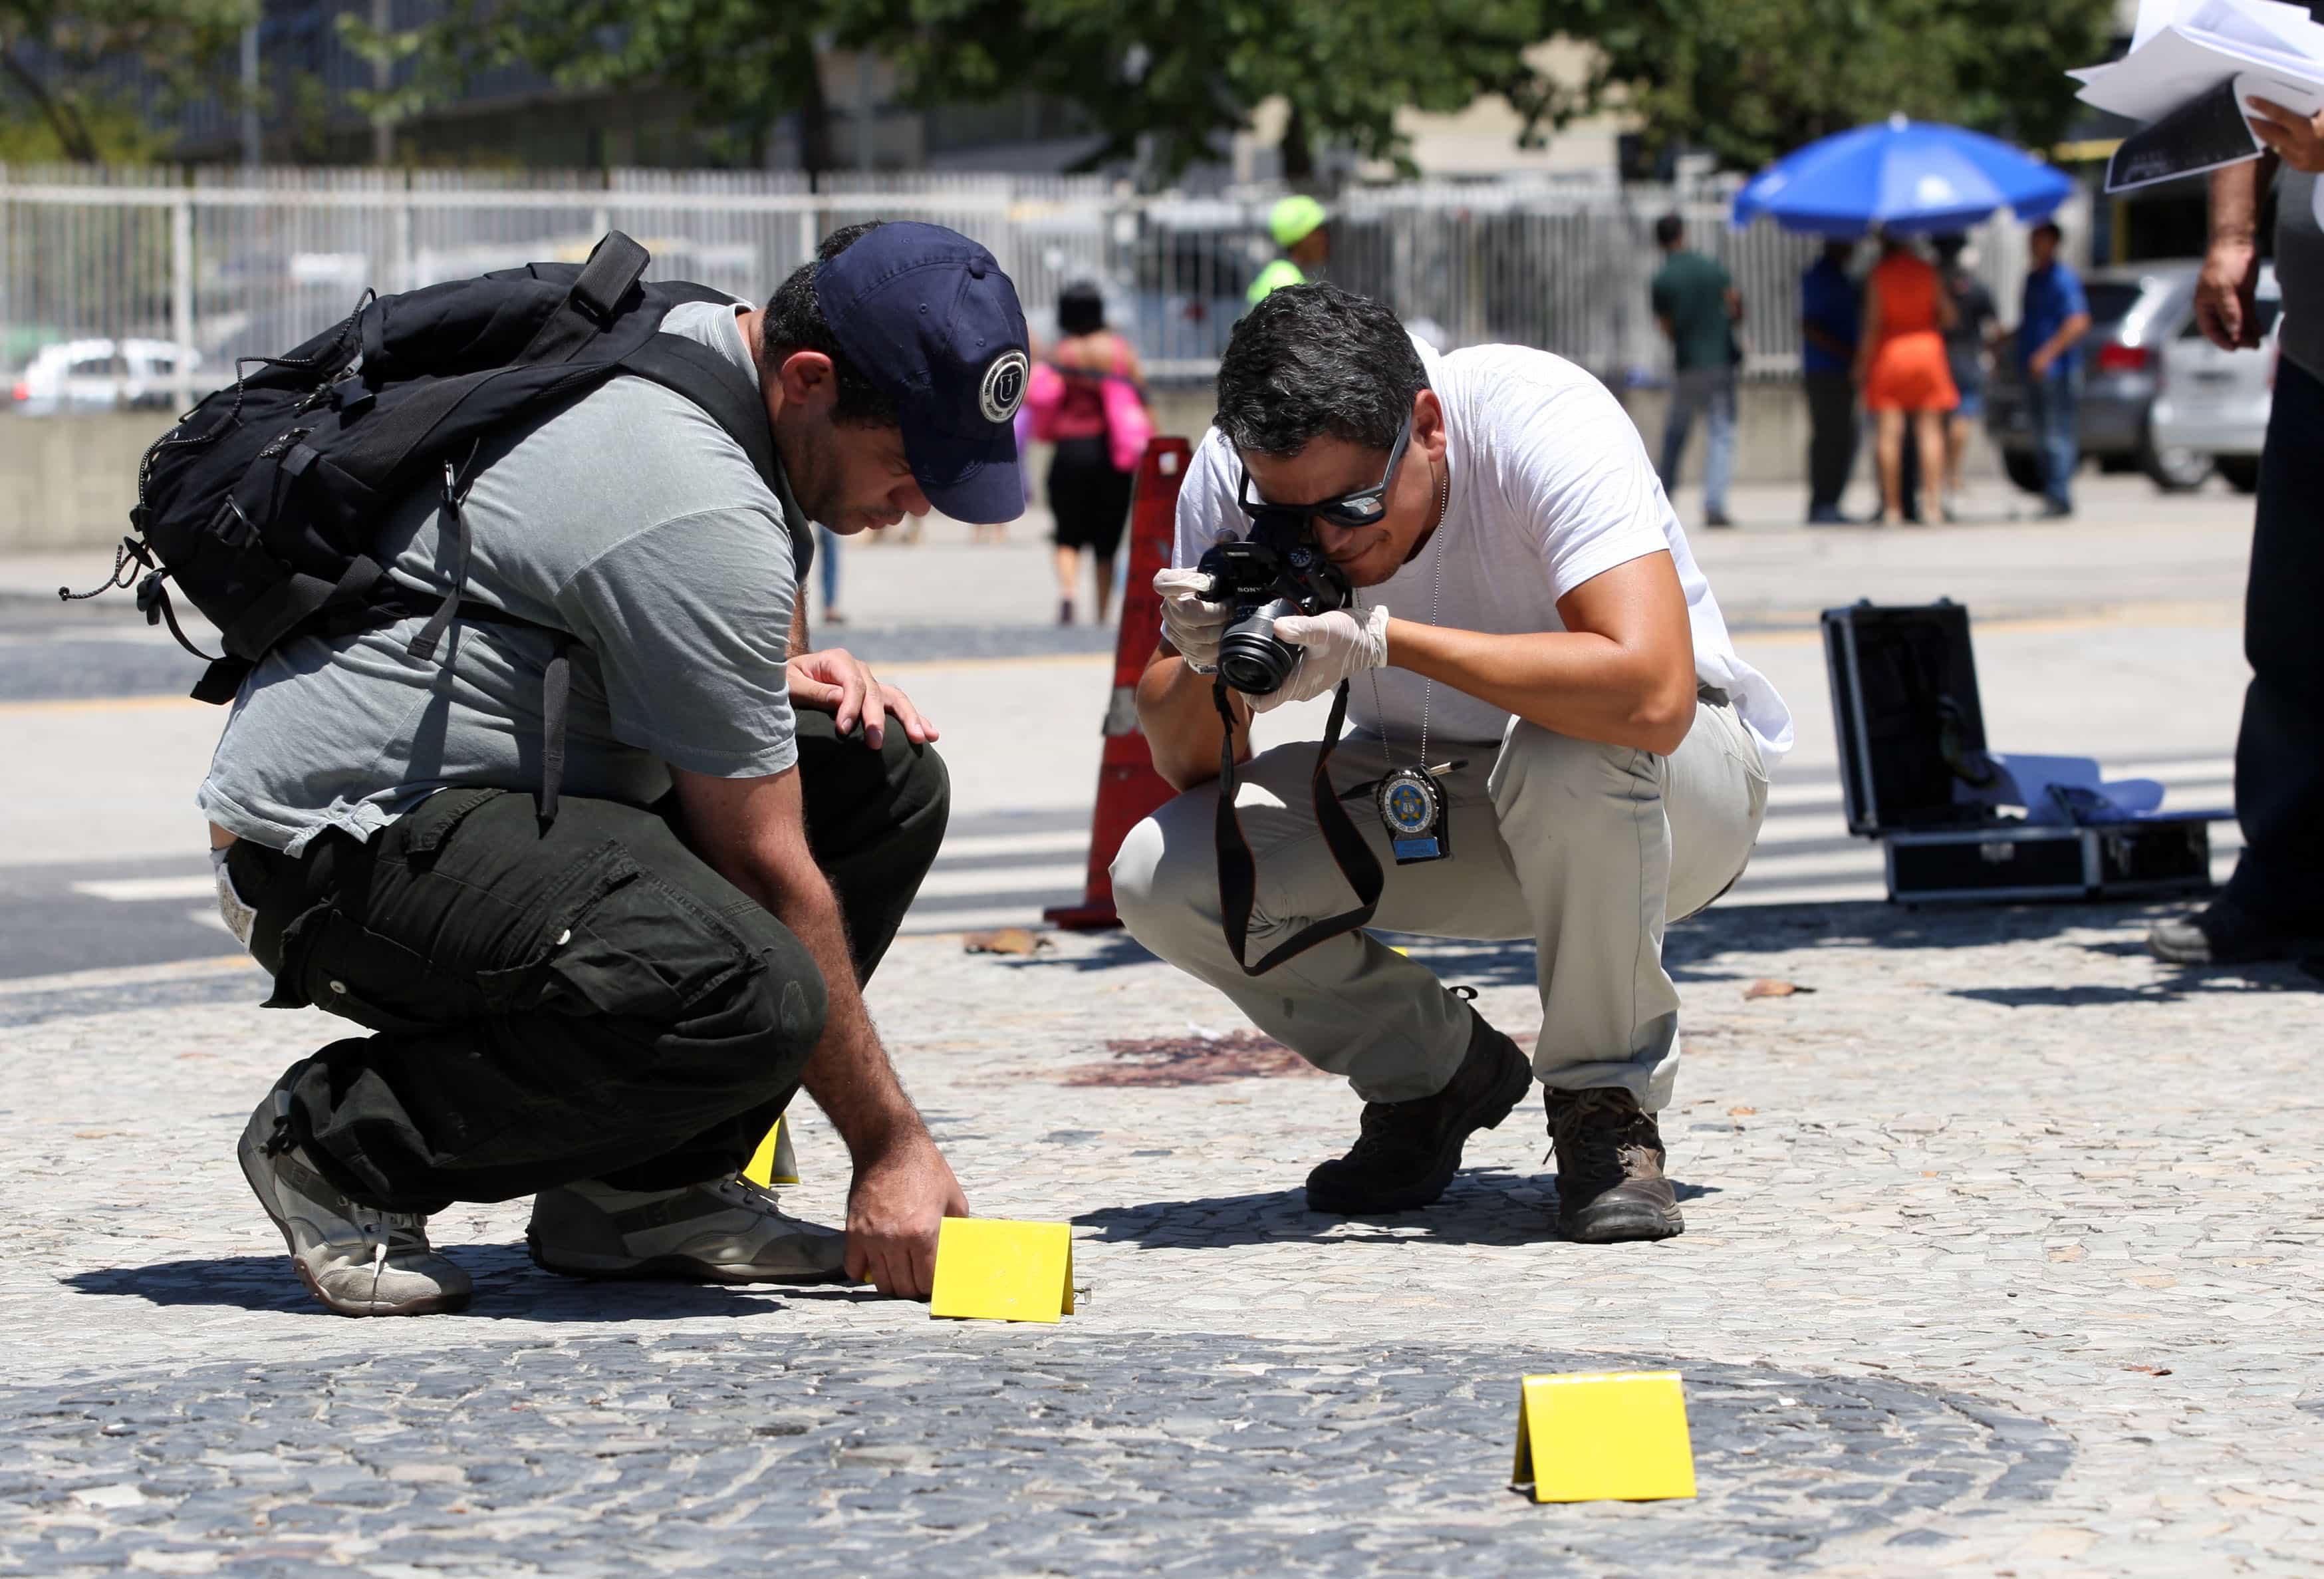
<point x="1901" y="368"/>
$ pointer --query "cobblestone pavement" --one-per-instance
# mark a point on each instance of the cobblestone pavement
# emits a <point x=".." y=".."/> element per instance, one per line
<point x="2000" y="1259"/>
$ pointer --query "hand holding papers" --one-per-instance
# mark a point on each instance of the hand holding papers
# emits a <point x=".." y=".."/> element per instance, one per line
<point x="2193" y="66"/>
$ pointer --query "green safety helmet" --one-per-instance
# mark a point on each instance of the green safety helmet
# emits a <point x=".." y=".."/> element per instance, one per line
<point x="1295" y="218"/>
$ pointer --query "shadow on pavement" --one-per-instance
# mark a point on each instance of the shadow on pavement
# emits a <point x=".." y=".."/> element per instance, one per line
<point x="513" y="1290"/>
<point x="1484" y="1206"/>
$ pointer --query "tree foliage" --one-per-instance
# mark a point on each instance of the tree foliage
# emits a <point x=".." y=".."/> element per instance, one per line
<point x="60" y="62"/>
<point x="1167" y="78"/>
<point x="1751" y="79"/>
<point x="1174" y="78"/>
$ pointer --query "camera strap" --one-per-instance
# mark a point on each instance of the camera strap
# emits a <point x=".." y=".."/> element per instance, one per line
<point x="1239" y="873"/>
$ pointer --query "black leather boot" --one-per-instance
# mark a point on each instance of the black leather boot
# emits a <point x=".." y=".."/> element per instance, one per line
<point x="1609" y="1169"/>
<point x="1409" y="1150"/>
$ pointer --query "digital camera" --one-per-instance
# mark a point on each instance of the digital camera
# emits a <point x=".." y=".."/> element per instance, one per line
<point x="1262" y="580"/>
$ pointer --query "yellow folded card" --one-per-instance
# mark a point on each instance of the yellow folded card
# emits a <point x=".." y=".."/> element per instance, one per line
<point x="1604" y="1438"/>
<point x="997" y="1270"/>
<point x="773" y="1162"/>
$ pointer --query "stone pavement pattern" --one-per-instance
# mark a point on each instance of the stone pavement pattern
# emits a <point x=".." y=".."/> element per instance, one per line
<point x="2000" y="1259"/>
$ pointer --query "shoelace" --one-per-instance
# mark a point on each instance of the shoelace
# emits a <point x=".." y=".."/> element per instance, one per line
<point x="399" y="1231"/>
<point x="749" y="1194"/>
<point x="1598" y="1146"/>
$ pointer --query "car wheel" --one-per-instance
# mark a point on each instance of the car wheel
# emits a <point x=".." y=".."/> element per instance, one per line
<point x="2024" y="469"/>
<point x="2174" y="468"/>
<point x="2241" y="471"/>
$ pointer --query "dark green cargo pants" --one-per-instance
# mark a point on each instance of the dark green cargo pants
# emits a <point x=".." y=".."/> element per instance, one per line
<point x="586" y="999"/>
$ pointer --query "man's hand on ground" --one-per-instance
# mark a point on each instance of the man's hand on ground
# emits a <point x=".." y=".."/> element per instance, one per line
<point x="2224" y="294"/>
<point x="835" y="680"/>
<point x="898" y="1197"/>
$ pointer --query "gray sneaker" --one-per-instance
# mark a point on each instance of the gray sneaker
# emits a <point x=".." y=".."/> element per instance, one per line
<point x="724" y="1230"/>
<point x="356" y="1259"/>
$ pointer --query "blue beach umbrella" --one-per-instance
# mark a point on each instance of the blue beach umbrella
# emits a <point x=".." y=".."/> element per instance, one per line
<point x="1903" y="176"/>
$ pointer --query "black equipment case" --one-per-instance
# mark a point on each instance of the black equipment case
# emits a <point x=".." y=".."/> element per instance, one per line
<point x="1915" y="774"/>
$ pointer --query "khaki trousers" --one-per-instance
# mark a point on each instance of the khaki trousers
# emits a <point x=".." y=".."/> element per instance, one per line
<point x="1587" y="849"/>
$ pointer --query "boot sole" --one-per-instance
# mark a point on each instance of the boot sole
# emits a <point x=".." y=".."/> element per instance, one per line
<point x="1622" y="1225"/>
<point x="256" y="1175"/>
<point x="665" y="1269"/>
<point x="1495" y="1106"/>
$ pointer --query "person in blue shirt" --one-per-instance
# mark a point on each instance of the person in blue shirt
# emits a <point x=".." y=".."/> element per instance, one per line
<point x="1831" y="312"/>
<point x="2053" y="315"/>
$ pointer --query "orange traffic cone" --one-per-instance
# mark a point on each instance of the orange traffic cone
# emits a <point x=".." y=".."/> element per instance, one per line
<point x="1129" y="790"/>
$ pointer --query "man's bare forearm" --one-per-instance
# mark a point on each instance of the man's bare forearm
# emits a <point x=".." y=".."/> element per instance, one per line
<point x="1574" y="683"/>
<point x="1181" y="722"/>
<point x="2234" y="200"/>
<point x="848" y="1075"/>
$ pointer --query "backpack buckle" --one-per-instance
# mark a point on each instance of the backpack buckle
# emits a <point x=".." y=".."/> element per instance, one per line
<point x="351" y="397"/>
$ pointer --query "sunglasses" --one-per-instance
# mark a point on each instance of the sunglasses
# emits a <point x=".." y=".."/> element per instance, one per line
<point x="1362" y="507"/>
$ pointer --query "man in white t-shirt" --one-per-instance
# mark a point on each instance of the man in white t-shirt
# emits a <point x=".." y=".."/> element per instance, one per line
<point x="1553" y="639"/>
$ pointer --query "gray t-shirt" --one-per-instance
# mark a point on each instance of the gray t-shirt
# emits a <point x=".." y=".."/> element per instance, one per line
<point x="2300" y="270"/>
<point x="628" y="518"/>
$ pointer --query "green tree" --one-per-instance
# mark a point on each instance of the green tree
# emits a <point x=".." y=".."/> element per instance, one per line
<point x="744" y="63"/>
<point x="1174" y="79"/>
<point x="57" y="58"/>
<point x="1751" y="79"/>
<point x="1172" y="76"/>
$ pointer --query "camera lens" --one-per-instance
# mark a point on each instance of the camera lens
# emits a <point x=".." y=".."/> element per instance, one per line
<point x="1252" y="657"/>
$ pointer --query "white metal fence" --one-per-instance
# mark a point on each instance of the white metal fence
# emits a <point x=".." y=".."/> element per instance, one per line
<point x="235" y="264"/>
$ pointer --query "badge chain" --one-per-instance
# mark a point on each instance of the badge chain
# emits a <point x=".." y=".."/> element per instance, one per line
<point x="1443" y="508"/>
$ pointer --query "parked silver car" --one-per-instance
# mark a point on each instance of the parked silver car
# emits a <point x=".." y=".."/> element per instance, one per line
<point x="2216" y="403"/>
<point x="2139" y="313"/>
<point x="102" y="375"/>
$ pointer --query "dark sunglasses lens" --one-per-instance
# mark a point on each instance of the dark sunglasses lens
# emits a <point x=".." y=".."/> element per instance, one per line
<point x="1361" y="510"/>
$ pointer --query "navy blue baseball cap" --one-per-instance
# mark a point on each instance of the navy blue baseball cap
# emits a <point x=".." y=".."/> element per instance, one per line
<point x="930" y="317"/>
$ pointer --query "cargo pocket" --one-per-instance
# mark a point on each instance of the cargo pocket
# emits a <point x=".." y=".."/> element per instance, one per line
<point x="615" y="939"/>
<point x="338" y="965"/>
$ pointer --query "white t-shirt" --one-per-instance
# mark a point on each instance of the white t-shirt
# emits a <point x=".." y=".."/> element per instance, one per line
<point x="1550" y="487"/>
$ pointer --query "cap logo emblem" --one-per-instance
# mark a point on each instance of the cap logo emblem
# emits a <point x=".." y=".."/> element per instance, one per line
<point x="1003" y="389"/>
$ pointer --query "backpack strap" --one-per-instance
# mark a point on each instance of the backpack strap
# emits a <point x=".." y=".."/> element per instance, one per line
<point x="615" y="265"/>
<point x="685" y="365"/>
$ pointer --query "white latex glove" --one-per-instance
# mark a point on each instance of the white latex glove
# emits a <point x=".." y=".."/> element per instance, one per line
<point x="1192" y="623"/>
<point x="1334" y="647"/>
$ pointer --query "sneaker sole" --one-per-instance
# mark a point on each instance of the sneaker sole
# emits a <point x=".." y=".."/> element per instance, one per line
<point x="1494" y="1106"/>
<point x="666" y="1269"/>
<point x="255" y="1174"/>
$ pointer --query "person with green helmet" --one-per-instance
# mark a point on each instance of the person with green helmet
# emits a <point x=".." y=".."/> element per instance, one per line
<point x="1301" y="227"/>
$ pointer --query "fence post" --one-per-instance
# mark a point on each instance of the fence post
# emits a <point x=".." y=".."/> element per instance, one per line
<point x="181" y="295"/>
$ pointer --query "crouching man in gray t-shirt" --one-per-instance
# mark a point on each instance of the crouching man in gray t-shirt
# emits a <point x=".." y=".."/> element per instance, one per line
<point x="607" y="1010"/>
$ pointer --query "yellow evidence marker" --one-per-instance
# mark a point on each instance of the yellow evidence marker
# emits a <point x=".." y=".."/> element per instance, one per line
<point x="1604" y="1438"/>
<point x="999" y="1270"/>
<point x="773" y="1162"/>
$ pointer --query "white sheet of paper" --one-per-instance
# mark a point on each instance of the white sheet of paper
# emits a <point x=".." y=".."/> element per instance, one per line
<point x="2177" y="64"/>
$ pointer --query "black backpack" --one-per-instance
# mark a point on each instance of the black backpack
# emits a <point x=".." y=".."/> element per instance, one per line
<point x="262" y="503"/>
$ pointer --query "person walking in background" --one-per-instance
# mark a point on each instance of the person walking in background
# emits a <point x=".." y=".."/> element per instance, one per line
<point x="2053" y="315"/>
<point x="1698" y="307"/>
<point x="1831" y="311"/>
<point x="2273" y="908"/>
<point x="1302" y="228"/>
<point x="1089" y="384"/>
<point x="1967" y="341"/>
<point x="1900" y="363"/>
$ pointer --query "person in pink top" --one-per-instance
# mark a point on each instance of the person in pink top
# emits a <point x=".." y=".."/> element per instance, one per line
<point x="1088" y="494"/>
